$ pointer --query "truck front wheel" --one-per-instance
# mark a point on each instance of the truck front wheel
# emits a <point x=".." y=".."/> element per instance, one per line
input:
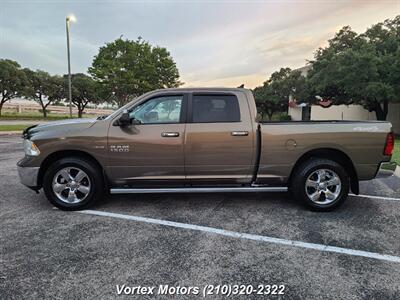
<point x="73" y="183"/>
<point x="321" y="184"/>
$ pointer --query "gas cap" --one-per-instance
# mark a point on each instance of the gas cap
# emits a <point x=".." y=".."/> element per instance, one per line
<point x="291" y="144"/>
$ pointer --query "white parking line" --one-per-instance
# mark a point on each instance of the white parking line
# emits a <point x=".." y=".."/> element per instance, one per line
<point x="375" y="197"/>
<point x="234" y="234"/>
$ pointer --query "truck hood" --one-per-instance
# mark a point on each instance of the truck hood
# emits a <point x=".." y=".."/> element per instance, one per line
<point x="64" y="126"/>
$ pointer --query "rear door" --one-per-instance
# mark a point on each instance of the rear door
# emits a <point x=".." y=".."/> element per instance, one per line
<point x="150" y="154"/>
<point x="219" y="139"/>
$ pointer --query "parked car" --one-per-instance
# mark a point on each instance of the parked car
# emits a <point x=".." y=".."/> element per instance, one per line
<point x="202" y="140"/>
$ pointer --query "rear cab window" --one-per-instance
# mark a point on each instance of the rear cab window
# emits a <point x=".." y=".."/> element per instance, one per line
<point x="215" y="108"/>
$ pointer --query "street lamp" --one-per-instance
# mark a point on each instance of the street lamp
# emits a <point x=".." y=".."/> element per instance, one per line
<point x="70" y="18"/>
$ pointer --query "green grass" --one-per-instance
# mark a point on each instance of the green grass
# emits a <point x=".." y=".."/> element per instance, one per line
<point x="396" y="153"/>
<point x="7" y="115"/>
<point x="16" y="127"/>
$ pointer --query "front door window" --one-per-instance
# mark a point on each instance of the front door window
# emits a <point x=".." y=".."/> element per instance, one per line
<point x="160" y="110"/>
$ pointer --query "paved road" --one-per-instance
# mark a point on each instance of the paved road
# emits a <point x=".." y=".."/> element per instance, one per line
<point x="47" y="253"/>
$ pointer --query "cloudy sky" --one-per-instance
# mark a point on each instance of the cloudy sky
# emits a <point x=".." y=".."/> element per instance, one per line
<point x="214" y="43"/>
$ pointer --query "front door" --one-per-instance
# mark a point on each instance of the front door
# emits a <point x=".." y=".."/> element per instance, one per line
<point x="219" y="144"/>
<point x="149" y="153"/>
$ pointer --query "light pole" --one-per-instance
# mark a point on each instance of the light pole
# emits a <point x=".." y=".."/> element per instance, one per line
<point x="69" y="19"/>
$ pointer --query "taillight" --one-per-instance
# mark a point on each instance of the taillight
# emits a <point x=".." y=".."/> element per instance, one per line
<point x="389" y="146"/>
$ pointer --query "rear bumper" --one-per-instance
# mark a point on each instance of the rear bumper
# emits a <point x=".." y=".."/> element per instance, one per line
<point x="29" y="176"/>
<point x="386" y="169"/>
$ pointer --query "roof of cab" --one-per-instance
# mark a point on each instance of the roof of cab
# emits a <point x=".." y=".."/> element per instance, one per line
<point x="201" y="89"/>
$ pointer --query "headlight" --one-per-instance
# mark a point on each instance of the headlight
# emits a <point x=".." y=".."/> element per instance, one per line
<point x="30" y="148"/>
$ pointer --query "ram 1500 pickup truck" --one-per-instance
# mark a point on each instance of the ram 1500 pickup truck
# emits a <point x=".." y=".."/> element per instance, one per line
<point x="202" y="140"/>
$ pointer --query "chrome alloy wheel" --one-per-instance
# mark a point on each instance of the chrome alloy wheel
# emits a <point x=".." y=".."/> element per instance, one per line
<point x="71" y="185"/>
<point x="323" y="186"/>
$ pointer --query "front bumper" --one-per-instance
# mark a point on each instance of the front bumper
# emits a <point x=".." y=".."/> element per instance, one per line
<point x="386" y="169"/>
<point x="29" y="176"/>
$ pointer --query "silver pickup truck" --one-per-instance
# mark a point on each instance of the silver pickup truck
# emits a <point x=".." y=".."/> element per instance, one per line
<point x="202" y="140"/>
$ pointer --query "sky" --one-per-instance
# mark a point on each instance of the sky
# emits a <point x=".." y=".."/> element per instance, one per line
<point x="214" y="43"/>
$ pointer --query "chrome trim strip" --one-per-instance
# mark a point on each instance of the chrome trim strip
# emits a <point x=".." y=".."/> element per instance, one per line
<point x="386" y="169"/>
<point x="28" y="175"/>
<point x="169" y="177"/>
<point x="198" y="190"/>
<point x="210" y="177"/>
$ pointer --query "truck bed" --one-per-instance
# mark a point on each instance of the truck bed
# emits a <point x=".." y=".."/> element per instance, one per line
<point x="284" y="143"/>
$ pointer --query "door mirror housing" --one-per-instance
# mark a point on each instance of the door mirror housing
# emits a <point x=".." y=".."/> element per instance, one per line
<point x="124" y="119"/>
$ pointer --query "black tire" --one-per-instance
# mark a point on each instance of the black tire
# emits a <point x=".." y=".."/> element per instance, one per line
<point x="95" y="193"/>
<point x="298" y="183"/>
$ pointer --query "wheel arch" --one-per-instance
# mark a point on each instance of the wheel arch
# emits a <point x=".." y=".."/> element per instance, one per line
<point x="336" y="155"/>
<point x="66" y="153"/>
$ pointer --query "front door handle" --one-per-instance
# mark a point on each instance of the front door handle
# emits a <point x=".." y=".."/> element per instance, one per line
<point x="170" y="134"/>
<point x="240" y="133"/>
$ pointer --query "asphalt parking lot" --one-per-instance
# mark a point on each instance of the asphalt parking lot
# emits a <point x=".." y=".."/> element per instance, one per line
<point x="47" y="253"/>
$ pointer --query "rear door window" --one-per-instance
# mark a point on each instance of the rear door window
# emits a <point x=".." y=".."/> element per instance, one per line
<point x="215" y="108"/>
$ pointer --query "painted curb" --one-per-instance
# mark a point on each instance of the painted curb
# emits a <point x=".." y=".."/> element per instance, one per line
<point x="397" y="171"/>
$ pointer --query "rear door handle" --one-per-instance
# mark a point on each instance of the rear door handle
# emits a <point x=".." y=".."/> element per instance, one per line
<point x="170" y="134"/>
<point x="240" y="133"/>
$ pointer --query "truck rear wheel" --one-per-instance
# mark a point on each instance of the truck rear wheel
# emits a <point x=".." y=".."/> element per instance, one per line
<point x="73" y="183"/>
<point x="321" y="184"/>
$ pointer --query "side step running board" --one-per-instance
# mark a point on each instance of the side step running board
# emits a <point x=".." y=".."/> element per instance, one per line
<point x="198" y="190"/>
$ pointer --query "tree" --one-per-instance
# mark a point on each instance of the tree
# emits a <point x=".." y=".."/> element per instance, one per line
<point x="169" y="106"/>
<point x="360" y="69"/>
<point x="12" y="80"/>
<point x="43" y="88"/>
<point x="273" y="96"/>
<point x="126" y="69"/>
<point x="84" y="91"/>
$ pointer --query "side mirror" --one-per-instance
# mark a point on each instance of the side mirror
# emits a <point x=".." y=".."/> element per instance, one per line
<point x="124" y="119"/>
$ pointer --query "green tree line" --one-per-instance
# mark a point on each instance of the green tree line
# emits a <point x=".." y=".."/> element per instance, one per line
<point x="121" y="71"/>
<point x="354" y="68"/>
